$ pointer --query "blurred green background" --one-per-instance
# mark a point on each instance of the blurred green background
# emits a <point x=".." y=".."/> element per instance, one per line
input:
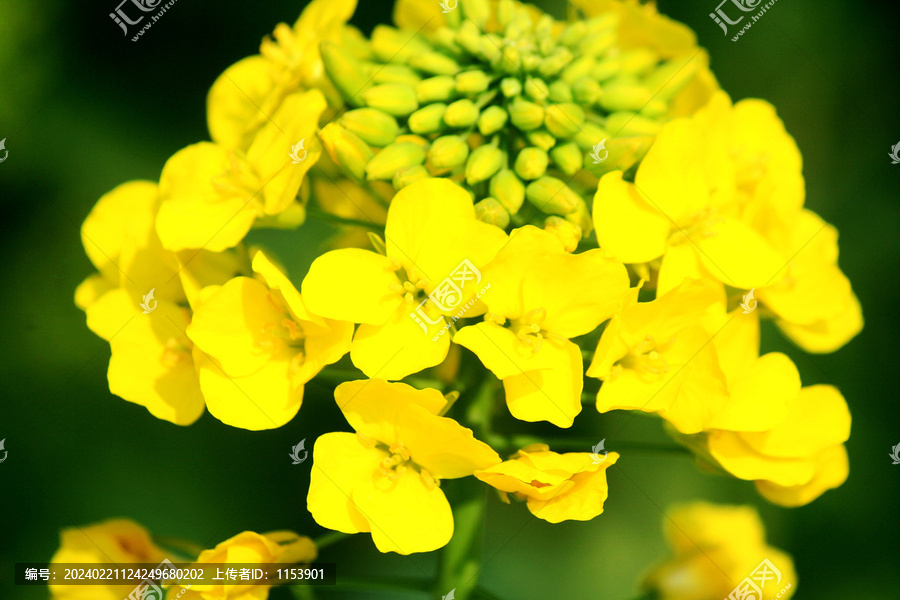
<point x="84" y="109"/>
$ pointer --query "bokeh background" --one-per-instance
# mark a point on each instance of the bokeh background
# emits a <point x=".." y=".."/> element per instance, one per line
<point x="83" y="109"/>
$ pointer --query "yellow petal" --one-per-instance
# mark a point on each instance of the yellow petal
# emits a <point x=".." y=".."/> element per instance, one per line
<point x="406" y="515"/>
<point x="90" y="290"/>
<point x="232" y="107"/>
<point x="296" y="119"/>
<point x="232" y="326"/>
<point x="416" y="14"/>
<point x="832" y="470"/>
<point x="399" y="347"/>
<point x="583" y="501"/>
<point x="818" y="419"/>
<point x="627" y="226"/>
<point x="679" y="263"/>
<point x="741" y="460"/>
<point x="340" y="461"/>
<point x="194" y="213"/>
<point x="759" y="400"/>
<point x="737" y="255"/>
<point x="265" y="399"/>
<point x="352" y="285"/>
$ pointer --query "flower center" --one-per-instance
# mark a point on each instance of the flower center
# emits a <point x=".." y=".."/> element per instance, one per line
<point x="647" y="359"/>
<point x="397" y="462"/>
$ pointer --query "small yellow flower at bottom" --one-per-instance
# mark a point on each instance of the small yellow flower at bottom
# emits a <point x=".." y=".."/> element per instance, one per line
<point x="119" y="541"/>
<point x="557" y="487"/>
<point x="716" y="548"/>
<point x="385" y="479"/>
<point x="278" y="547"/>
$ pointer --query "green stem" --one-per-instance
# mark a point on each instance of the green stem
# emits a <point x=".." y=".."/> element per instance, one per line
<point x="460" y="560"/>
<point x="324" y="216"/>
<point x="332" y="537"/>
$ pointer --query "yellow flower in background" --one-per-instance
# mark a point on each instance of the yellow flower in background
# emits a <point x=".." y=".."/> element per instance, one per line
<point x="799" y="458"/>
<point x="260" y="345"/>
<point x="548" y="296"/>
<point x="212" y="196"/>
<point x="656" y="357"/>
<point x="119" y="541"/>
<point x="136" y="302"/>
<point x="431" y="229"/>
<point x="249" y="91"/>
<point x="278" y="547"/>
<point x="715" y="549"/>
<point x="385" y="478"/>
<point x="557" y="487"/>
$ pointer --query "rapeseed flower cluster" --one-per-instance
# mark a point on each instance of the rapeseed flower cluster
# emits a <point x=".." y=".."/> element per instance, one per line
<point x="516" y="198"/>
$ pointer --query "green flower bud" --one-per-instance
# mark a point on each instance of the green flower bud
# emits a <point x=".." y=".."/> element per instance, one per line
<point x="394" y="157"/>
<point x="552" y="196"/>
<point x="492" y="212"/>
<point x="346" y="150"/>
<point x="506" y="11"/>
<point x="581" y="218"/>
<point x="508" y="190"/>
<point x="396" y="99"/>
<point x="556" y="62"/>
<point x="531" y="61"/>
<point x="624" y="153"/>
<point x="567" y="233"/>
<point x="429" y="119"/>
<point x="606" y="68"/>
<point x="392" y="45"/>
<point x="671" y="77"/>
<point x="392" y="74"/>
<point x="436" y="89"/>
<point x="564" y="120"/>
<point x="509" y="60"/>
<point x="434" y="63"/>
<point x="541" y="138"/>
<point x="345" y="72"/>
<point x="483" y="162"/>
<point x="567" y="157"/>
<point x="599" y="43"/>
<point x="511" y="87"/>
<point x="560" y="91"/>
<point x="654" y="109"/>
<point x="472" y="82"/>
<point x="525" y="115"/>
<point x="444" y="40"/>
<point x="638" y="61"/>
<point x="624" y="124"/>
<point x="573" y="34"/>
<point x="469" y="37"/>
<point x="579" y="67"/>
<point x="478" y="11"/>
<point x="586" y="90"/>
<point x="492" y="120"/>
<point x="447" y="152"/>
<point x="537" y="89"/>
<point x="462" y="113"/>
<point x="619" y="95"/>
<point x="531" y="163"/>
<point x="546" y="47"/>
<point x="404" y="177"/>
<point x="490" y="48"/>
<point x="590" y="135"/>
<point x="372" y="126"/>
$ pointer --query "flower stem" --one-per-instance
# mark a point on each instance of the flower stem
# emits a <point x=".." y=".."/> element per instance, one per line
<point x="325" y="216"/>
<point x="332" y="537"/>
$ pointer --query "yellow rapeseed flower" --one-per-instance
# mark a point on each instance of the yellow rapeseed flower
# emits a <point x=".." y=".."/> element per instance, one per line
<point x="385" y="478"/>
<point x="431" y="229"/>
<point x="557" y="487"/>
<point x="260" y="345"/>
<point x="548" y="296"/>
